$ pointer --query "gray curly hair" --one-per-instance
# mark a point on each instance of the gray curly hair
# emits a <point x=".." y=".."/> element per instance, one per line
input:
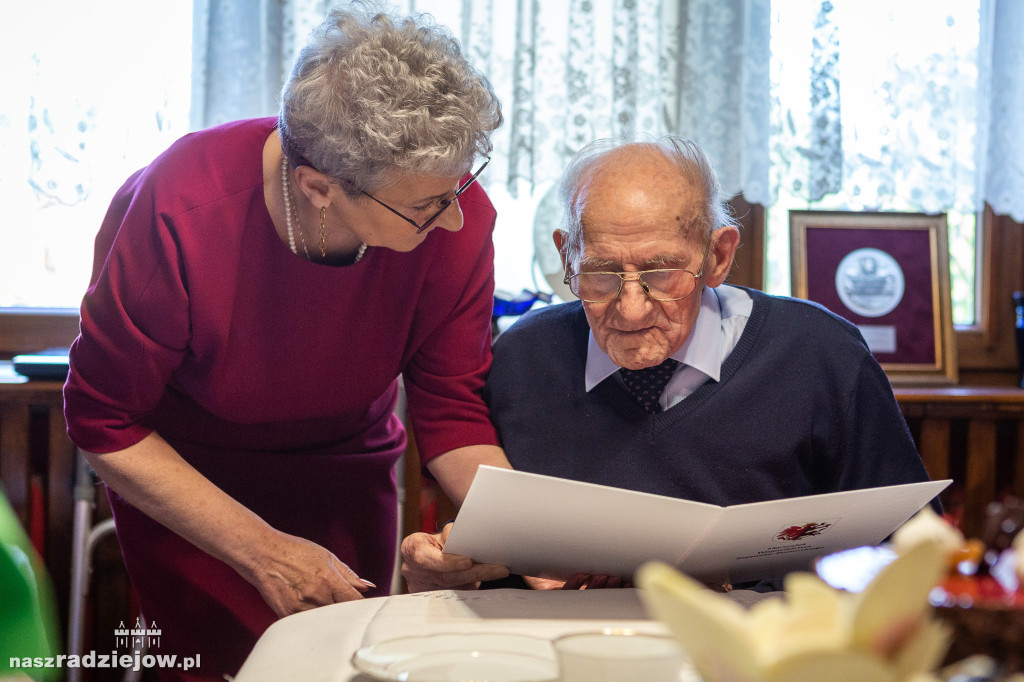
<point x="371" y="93"/>
<point x="694" y="168"/>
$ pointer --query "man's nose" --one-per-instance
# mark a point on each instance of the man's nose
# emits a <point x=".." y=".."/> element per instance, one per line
<point x="451" y="219"/>
<point x="633" y="299"/>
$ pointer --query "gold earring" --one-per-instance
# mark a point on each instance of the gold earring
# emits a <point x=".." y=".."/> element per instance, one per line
<point x="323" y="232"/>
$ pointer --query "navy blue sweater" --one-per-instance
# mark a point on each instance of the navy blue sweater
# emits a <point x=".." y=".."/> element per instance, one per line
<point x="802" y="408"/>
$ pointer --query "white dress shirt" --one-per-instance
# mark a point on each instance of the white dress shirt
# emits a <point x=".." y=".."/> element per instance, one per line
<point x="723" y="315"/>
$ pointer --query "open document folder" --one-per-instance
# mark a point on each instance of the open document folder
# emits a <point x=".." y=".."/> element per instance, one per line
<point x="553" y="527"/>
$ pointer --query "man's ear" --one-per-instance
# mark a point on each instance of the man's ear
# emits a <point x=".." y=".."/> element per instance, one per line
<point x="561" y="238"/>
<point x="724" y="242"/>
<point x="314" y="184"/>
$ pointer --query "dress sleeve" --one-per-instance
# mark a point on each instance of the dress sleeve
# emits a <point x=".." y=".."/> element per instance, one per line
<point x="134" y="324"/>
<point x="445" y="378"/>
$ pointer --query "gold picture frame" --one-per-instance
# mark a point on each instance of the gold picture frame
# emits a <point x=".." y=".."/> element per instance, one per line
<point x="888" y="273"/>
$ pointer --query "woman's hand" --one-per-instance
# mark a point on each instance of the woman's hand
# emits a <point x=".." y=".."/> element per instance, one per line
<point x="424" y="567"/>
<point x="294" y="574"/>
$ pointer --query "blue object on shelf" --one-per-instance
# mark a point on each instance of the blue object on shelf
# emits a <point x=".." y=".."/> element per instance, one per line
<point x="506" y="304"/>
<point x="1018" y="308"/>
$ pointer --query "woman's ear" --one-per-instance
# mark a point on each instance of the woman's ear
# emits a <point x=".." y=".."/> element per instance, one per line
<point x="315" y="185"/>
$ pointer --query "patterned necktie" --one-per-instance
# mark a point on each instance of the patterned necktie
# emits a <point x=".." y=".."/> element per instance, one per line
<point x="646" y="385"/>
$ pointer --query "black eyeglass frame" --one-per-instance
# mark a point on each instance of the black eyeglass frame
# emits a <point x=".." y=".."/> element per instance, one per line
<point x="637" y="276"/>
<point x="447" y="202"/>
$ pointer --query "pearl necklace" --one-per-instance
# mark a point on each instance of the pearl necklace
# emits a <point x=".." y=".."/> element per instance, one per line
<point x="291" y="218"/>
<point x="289" y="209"/>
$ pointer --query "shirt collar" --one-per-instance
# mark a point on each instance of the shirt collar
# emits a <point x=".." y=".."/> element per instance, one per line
<point x="702" y="350"/>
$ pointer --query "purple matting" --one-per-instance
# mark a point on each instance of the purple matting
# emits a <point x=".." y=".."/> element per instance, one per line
<point x="913" y="317"/>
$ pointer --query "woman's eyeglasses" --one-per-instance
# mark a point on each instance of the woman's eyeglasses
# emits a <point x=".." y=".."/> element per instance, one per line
<point x="445" y="203"/>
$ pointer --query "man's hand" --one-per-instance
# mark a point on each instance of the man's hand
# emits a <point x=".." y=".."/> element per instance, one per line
<point x="425" y="567"/>
<point x="578" y="581"/>
<point x="294" y="574"/>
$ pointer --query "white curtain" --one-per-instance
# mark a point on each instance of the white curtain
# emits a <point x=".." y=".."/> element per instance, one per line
<point x="572" y="71"/>
<point x="566" y="73"/>
<point x="241" y="52"/>
<point x="1001" y="71"/>
<point x="934" y="122"/>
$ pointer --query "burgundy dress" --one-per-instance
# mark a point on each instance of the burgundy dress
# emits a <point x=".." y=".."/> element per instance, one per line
<point x="273" y="376"/>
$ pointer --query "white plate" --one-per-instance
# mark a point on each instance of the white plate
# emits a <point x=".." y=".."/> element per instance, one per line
<point x="459" y="657"/>
<point x="853" y="569"/>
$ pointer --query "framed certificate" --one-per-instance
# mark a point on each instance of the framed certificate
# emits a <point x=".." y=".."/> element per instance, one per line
<point x="888" y="273"/>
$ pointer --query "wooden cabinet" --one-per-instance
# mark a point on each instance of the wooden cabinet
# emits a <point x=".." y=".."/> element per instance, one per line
<point x="973" y="435"/>
<point x="37" y="472"/>
<point x="37" y="462"/>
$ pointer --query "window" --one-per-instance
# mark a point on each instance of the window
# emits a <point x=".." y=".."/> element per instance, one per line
<point x="855" y="126"/>
<point x="874" y="108"/>
<point x="89" y="97"/>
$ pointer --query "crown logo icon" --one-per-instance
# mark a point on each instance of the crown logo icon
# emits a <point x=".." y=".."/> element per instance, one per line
<point x="139" y="637"/>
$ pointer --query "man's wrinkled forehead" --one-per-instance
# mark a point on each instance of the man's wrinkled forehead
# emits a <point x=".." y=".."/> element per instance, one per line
<point x="645" y="185"/>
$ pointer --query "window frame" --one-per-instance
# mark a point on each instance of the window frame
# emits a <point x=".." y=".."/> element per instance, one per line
<point x="25" y="330"/>
<point x="986" y="350"/>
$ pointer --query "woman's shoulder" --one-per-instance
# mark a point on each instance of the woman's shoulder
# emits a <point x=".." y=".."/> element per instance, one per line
<point x="478" y="219"/>
<point x="451" y="258"/>
<point x="474" y="201"/>
<point x="207" y="164"/>
<point x="220" y="144"/>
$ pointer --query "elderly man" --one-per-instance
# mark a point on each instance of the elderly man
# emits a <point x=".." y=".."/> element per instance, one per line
<point x="664" y="380"/>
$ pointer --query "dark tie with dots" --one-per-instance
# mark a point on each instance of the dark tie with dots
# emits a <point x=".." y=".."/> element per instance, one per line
<point x="646" y="385"/>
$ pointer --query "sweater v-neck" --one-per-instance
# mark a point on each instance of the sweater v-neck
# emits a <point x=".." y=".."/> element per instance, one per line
<point x="747" y="342"/>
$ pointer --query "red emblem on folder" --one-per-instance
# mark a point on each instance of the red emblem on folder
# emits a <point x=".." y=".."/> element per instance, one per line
<point x="803" y="531"/>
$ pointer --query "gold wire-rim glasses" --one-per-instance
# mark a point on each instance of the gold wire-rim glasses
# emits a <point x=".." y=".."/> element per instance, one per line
<point x="638" y="276"/>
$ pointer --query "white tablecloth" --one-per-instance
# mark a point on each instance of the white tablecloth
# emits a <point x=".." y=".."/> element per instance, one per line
<point x="318" y="645"/>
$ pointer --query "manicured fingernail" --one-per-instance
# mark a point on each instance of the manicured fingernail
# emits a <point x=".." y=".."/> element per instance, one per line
<point x="367" y="583"/>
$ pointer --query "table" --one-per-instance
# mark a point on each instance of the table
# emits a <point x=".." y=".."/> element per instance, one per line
<point x="317" y="645"/>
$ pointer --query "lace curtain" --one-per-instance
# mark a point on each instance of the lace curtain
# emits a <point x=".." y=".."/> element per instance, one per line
<point x="79" y="114"/>
<point x="1002" y="71"/>
<point x="569" y="72"/>
<point x="932" y="123"/>
<point x="566" y="73"/>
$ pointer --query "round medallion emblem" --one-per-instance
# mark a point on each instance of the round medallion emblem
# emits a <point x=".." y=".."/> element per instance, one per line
<point x="869" y="282"/>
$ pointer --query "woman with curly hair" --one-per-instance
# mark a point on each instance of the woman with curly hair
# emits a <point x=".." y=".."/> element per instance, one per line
<point x="257" y="292"/>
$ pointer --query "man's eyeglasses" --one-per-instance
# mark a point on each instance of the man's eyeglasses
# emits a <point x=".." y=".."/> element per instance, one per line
<point x="445" y="203"/>
<point x="662" y="284"/>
